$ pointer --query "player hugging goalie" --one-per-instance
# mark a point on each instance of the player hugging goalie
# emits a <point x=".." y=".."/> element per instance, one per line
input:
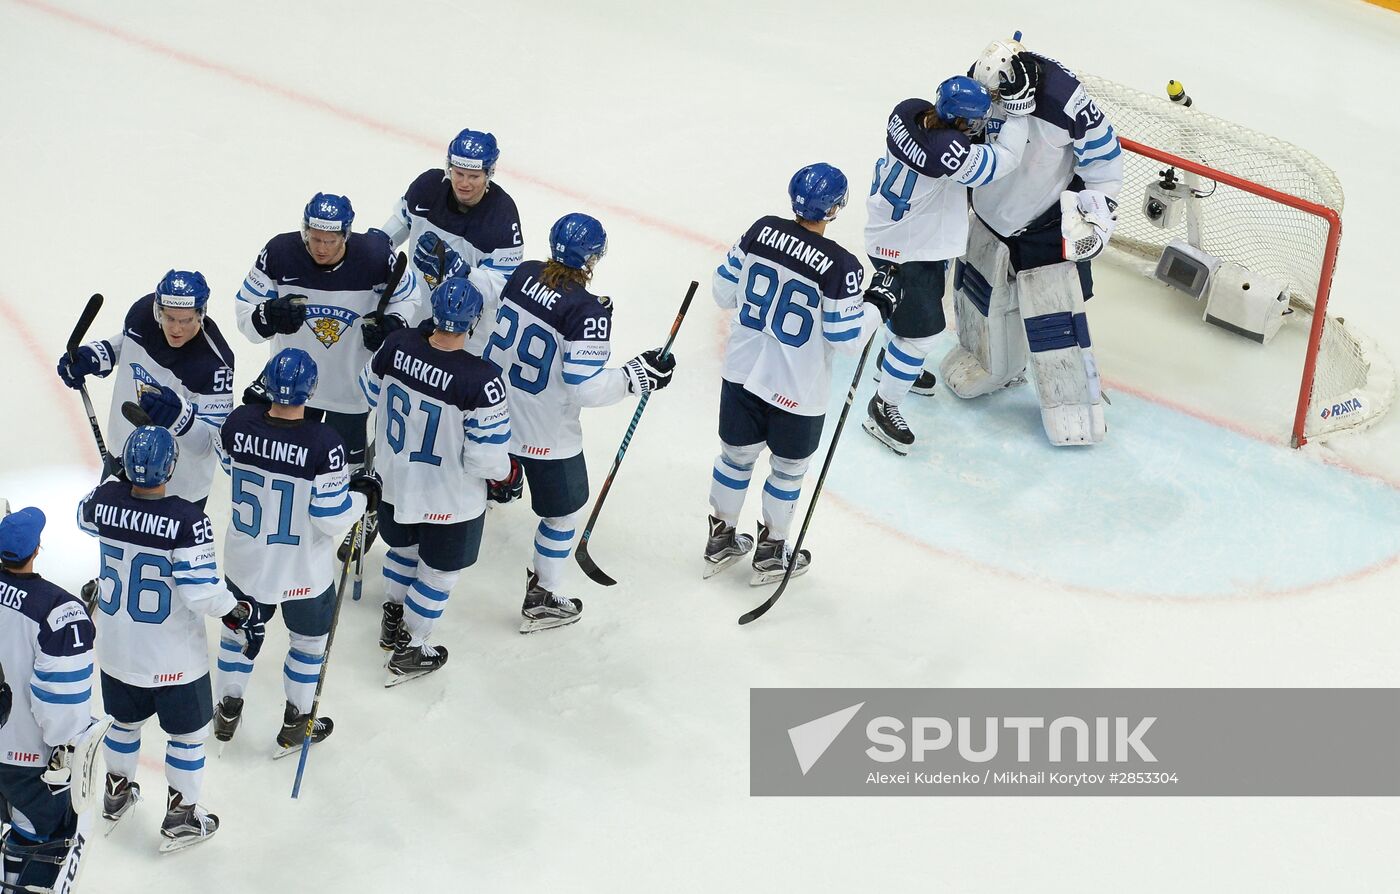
<point x="1033" y="234"/>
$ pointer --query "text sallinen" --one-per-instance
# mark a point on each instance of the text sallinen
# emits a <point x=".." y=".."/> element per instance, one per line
<point x="1001" y="777"/>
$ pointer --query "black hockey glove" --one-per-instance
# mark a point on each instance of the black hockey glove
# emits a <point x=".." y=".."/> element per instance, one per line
<point x="1018" y="91"/>
<point x="649" y="371"/>
<point x="7" y="698"/>
<point x="377" y="327"/>
<point x="248" y="619"/>
<point x="367" y="482"/>
<point x="83" y="363"/>
<point x="510" y="488"/>
<point x="257" y="392"/>
<point x="89" y="595"/>
<point x="283" y="315"/>
<point x="884" y="293"/>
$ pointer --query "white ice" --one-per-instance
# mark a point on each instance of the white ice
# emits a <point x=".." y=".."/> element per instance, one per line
<point x="614" y="755"/>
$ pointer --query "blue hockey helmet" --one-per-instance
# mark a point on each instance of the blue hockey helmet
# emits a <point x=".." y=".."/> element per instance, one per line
<point x="456" y="305"/>
<point x="149" y="456"/>
<point x="817" y="191"/>
<point x="183" y="289"/>
<point x="290" y="377"/>
<point x="474" y="150"/>
<point x="576" y="240"/>
<point x="328" y="212"/>
<point x="962" y="97"/>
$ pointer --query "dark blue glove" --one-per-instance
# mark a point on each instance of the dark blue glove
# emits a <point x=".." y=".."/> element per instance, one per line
<point x="282" y="315"/>
<point x="84" y="362"/>
<point x="425" y="258"/>
<point x="165" y="408"/>
<point x="367" y="482"/>
<point x="510" y="488"/>
<point x="250" y="619"/>
<point x="377" y="327"/>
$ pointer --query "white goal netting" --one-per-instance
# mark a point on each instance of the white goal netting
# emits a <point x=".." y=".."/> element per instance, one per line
<point x="1352" y="384"/>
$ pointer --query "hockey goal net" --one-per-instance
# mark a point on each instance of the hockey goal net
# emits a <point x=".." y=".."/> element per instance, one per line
<point x="1267" y="205"/>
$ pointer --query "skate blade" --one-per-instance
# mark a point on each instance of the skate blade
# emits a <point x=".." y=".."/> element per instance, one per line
<point x="713" y="568"/>
<point x="873" y="429"/>
<point x="394" y="679"/>
<point x="286" y="751"/>
<point x="535" y="626"/>
<point x="171" y="845"/>
<point x="114" y="821"/>
<point x="930" y="391"/>
<point x="761" y="578"/>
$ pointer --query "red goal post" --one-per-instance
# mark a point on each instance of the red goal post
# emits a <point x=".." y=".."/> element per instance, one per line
<point x="1267" y="205"/>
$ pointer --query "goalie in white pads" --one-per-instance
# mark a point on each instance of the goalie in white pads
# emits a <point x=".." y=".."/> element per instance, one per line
<point x="918" y="220"/>
<point x="1026" y="275"/>
<point x="48" y="739"/>
<point x="796" y="297"/>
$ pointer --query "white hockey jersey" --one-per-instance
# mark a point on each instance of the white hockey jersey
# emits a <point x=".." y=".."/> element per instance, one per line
<point x="552" y="349"/>
<point x="337" y="299"/>
<point x="199" y="371"/>
<point x="441" y="428"/>
<point x="798" y="298"/>
<point x="1071" y="145"/>
<point x="291" y="504"/>
<point x="159" y="580"/>
<point x="487" y="235"/>
<point x="46" y="642"/>
<point x="918" y="204"/>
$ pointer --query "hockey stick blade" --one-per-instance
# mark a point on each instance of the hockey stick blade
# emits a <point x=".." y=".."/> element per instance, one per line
<point x="585" y="561"/>
<point x="90" y="311"/>
<point x="133" y="413"/>
<point x="760" y="611"/>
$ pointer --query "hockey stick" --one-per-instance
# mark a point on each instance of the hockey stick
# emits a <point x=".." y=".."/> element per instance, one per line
<point x="585" y="561"/>
<point x="325" y="663"/>
<point x="757" y="613"/>
<point x="94" y="304"/>
<point x="133" y="413"/>
<point x="358" y="549"/>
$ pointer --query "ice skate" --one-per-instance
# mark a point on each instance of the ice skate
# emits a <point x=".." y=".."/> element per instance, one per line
<point x="411" y="662"/>
<point x="543" y="610"/>
<point x="725" y="547"/>
<point x="294" y="731"/>
<point x="185" y="824"/>
<point x="227" y="714"/>
<point x="886" y="424"/>
<point x="392" y="634"/>
<point x="771" y="557"/>
<point x="923" y="385"/>
<point x="119" y="796"/>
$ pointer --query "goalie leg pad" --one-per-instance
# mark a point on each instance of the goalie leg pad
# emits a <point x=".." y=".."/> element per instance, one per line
<point x="1061" y="354"/>
<point x="991" y="350"/>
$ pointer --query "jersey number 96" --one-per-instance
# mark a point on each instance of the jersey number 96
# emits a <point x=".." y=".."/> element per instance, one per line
<point x="790" y="320"/>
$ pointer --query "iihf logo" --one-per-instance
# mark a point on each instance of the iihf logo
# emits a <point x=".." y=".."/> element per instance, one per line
<point x="329" y="323"/>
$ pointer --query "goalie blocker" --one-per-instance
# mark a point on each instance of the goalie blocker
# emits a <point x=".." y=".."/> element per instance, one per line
<point x="1006" y="320"/>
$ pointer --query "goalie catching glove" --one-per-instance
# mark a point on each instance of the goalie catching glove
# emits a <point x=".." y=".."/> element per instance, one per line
<point x="1087" y="219"/>
<point x="649" y="371"/>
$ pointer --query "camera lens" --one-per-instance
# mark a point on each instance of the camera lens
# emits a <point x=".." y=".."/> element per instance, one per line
<point x="1154" y="209"/>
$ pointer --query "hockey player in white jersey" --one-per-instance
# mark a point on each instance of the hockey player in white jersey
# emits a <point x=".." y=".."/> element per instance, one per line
<point x="48" y="738"/>
<point x="1026" y="275"/>
<point x="159" y="580"/>
<point x="440" y="433"/>
<point x="796" y="297"/>
<point x="552" y="343"/>
<point x="918" y="220"/>
<point x="171" y="359"/>
<point x="319" y="290"/>
<point x="461" y="213"/>
<point x="293" y="498"/>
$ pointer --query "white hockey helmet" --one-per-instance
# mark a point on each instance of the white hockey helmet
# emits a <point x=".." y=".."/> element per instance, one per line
<point x="995" y="61"/>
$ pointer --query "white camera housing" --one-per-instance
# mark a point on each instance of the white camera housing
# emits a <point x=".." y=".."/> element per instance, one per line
<point x="1163" y="205"/>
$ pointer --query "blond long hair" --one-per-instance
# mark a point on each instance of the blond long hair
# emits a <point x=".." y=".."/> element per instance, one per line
<point x="556" y="275"/>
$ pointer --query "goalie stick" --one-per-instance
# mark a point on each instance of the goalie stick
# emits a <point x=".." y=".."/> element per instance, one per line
<point x="758" y="612"/>
<point x="585" y="561"/>
<point x="94" y="304"/>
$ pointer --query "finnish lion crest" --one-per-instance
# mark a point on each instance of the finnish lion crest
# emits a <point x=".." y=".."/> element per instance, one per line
<point x="329" y="323"/>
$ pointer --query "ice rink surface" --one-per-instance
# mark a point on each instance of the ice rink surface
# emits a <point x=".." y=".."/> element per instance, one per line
<point x="1191" y="549"/>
